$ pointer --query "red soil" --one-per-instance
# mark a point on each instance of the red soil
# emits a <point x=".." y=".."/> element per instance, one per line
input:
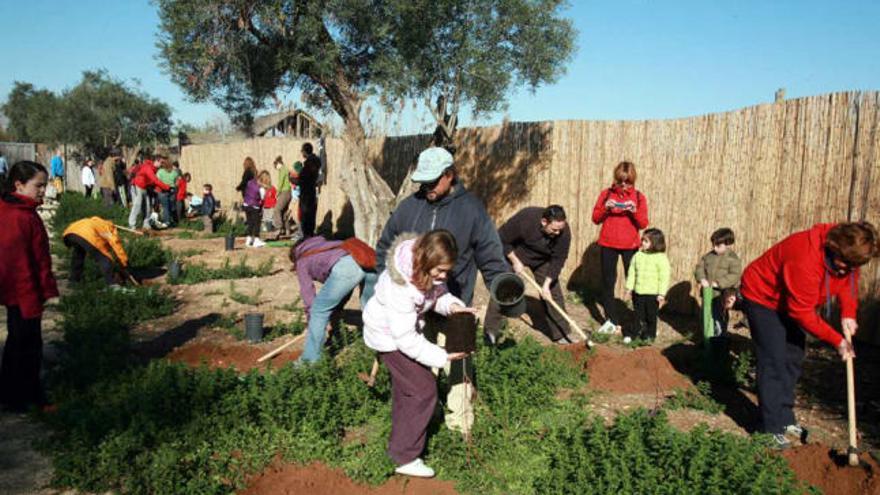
<point x="318" y="479"/>
<point x="642" y="370"/>
<point x="241" y="356"/>
<point x="827" y="470"/>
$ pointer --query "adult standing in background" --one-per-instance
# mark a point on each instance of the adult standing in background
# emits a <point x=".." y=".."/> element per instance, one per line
<point x="442" y="202"/>
<point x="622" y="211"/>
<point x="249" y="173"/>
<point x="538" y="239"/>
<point x="284" y="197"/>
<point x="120" y="177"/>
<point x="88" y="177"/>
<point x="106" y="181"/>
<point x="168" y="175"/>
<point x="56" y="172"/>
<point x="308" y="190"/>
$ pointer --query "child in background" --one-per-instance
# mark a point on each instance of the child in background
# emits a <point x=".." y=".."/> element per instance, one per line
<point x="88" y="177"/>
<point x="208" y="207"/>
<point x="154" y="221"/>
<point x="26" y="283"/>
<point x="269" y="204"/>
<point x="720" y="269"/>
<point x="412" y="284"/>
<point x="647" y="283"/>
<point x="254" y="195"/>
<point x="181" y="195"/>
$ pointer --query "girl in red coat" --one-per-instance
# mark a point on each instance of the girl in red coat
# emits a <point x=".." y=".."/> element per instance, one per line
<point x="26" y="282"/>
<point x="622" y="211"/>
<point x="781" y="292"/>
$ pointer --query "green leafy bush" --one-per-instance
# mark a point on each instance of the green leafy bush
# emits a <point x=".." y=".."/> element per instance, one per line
<point x="199" y="272"/>
<point x="74" y="206"/>
<point x="699" y="399"/>
<point x="146" y="252"/>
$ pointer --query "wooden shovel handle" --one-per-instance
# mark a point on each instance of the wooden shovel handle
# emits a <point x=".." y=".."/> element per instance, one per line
<point x="555" y="306"/>
<point x="853" y="456"/>
<point x="278" y="350"/>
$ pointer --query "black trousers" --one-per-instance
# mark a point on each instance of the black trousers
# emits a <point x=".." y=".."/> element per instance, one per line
<point x="556" y="323"/>
<point x="646" y="307"/>
<point x="79" y="247"/>
<point x="253" y="216"/>
<point x="20" y="385"/>
<point x="779" y="349"/>
<point x="88" y="192"/>
<point x="609" y="278"/>
<point x="308" y="209"/>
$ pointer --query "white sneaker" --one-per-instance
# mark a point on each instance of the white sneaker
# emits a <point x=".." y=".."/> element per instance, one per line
<point x="415" y="468"/>
<point x="607" y="327"/>
<point x="258" y="243"/>
<point x="249" y="241"/>
<point x="627" y="340"/>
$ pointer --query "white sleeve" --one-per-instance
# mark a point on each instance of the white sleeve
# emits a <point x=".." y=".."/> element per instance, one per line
<point x="403" y="320"/>
<point x="262" y="193"/>
<point x="445" y="302"/>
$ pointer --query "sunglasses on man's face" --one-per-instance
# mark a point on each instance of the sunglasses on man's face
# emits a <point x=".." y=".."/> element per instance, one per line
<point x="430" y="186"/>
<point x="838" y="264"/>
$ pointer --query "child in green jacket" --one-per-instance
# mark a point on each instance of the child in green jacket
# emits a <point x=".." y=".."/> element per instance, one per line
<point x="720" y="269"/>
<point x="647" y="282"/>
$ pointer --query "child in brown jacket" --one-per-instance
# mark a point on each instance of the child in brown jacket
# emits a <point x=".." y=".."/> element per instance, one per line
<point x="720" y="269"/>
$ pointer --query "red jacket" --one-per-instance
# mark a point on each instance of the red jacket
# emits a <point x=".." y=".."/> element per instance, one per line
<point x="181" y="189"/>
<point x="620" y="228"/>
<point x="146" y="177"/>
<point x="792" y="277"/>
<point x="26" y="278"/>
<point x="271" y="198"/>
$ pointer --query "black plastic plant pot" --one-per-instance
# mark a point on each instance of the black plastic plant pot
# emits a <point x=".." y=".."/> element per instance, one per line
<point x="174" y="269"/>
<point x="253" y="327"/>
<point x="461" y="333"/>
<point x="508" y="291"/>
<point x="230" y="242"/>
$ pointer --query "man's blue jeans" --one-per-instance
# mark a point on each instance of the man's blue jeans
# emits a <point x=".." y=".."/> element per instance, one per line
<point x="165" y="199"/>
<point x="344" y="277"/>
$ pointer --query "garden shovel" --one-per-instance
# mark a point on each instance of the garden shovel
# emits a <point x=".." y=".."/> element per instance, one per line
<point x="528" y="278"/>
<point x="852" y="451"/>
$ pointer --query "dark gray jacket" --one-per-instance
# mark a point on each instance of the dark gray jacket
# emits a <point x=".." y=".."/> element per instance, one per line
<point x="461" y="213"/>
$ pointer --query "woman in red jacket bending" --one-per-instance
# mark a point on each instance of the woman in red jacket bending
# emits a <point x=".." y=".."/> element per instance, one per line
<point x="622" y="211"/>
<point x="782" y="290"/>
<point x="26" y="282"/>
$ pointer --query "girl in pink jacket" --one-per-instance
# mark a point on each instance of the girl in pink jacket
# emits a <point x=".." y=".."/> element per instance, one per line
<point x="413" y="283"/>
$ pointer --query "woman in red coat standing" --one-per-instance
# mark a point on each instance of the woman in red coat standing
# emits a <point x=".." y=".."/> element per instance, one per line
<point x="26" y="282"/>
<point x="622" y="211"/>
<point x="782" y="290"/>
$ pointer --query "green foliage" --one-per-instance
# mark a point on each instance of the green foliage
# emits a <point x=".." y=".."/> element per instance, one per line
<point x="74" y="206"/>
<point x="223" y="227"/>
<point x="146" y="252"/>
<point x="699" y="399"/>
<point x="98" y="113"/>
<point x="95" y="322"/>
<point x="240" y="298"/>
<point x="199" y="272"/>
<point x="742" y="368"/>
<point x="189" y="252"/>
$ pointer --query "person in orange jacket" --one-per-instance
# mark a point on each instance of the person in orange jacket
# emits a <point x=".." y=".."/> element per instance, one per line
<point x="99" y="239"/>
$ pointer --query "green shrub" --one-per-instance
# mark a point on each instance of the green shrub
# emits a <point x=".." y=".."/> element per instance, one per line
<point x="699" y="399"/>
<point x="74" y="206"/>
<point x="199" y="272"/>
<point x="146" y="252"/>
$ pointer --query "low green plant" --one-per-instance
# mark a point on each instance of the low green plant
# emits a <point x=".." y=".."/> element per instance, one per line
<point x="199" y="272"/>
<point x="146" y="252"/>
<point x="223" y="227"/>
<point x="186" y="235"/>
<point x="189" y="253"/>
<point x="74" y="206"/>
<point x="195" y="224"/>
<point x="699" y="398"/>
<point x="241" y="298"/>
<point x="743" y="365"/>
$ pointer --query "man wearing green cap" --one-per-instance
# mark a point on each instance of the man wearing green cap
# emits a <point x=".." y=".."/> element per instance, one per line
<point x="442" y="202"/>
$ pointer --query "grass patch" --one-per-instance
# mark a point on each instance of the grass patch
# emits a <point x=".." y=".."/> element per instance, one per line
<point x="199" y="272"/>
<point x="240" y="298"/>
<point x="699" y="399"/>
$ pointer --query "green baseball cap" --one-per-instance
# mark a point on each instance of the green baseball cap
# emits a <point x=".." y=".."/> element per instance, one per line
<point x="432" y="163"/>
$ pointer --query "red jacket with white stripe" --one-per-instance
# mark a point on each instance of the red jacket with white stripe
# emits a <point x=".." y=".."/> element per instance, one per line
<point x="793" y="277"/>
<point x="26" y="278"/>
<point x="620" y="228"/>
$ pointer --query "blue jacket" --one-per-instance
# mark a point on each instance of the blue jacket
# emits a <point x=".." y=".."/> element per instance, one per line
<point x="57" y="167"/>
<point x="208" y="205"/>
<point x="461" y="213"/>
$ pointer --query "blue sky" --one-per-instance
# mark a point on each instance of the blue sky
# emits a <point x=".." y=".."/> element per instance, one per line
<point x="635" y="60"/>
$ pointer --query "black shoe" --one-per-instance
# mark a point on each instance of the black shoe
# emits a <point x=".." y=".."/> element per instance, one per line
<point x="490" y="339"/>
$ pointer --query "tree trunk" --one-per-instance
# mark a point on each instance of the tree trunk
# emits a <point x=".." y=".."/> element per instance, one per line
<point x="371" y="198"/>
